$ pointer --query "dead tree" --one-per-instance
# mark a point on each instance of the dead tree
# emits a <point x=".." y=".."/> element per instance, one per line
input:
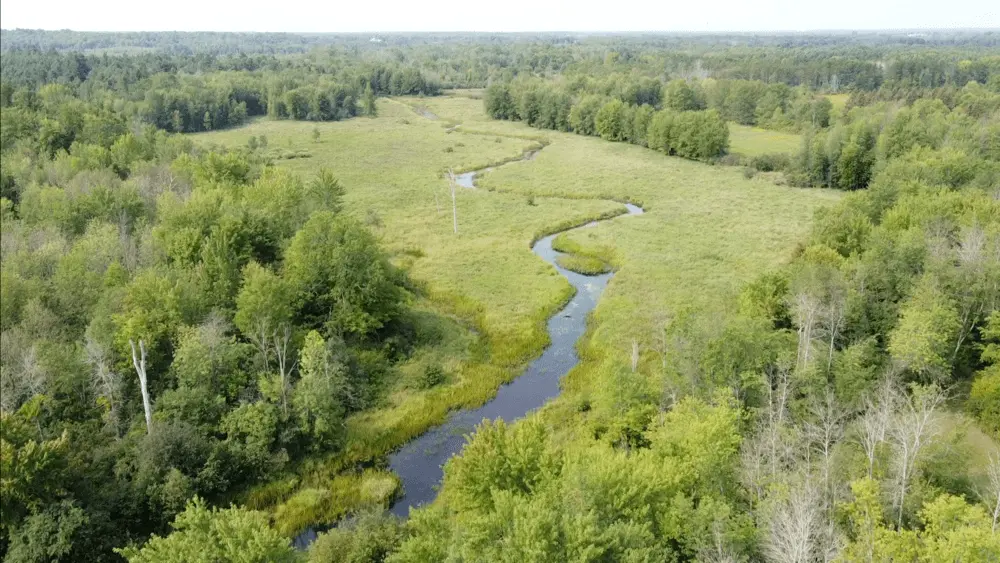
<point x="282" y="340"/>
<point x="453" y="182"/>
<point x="910" y="431"/>
<point x="106" y="383"/>
<point x="874" y="423"/>
<point x="139" y="361"/>
<point x="662" y="321"/>
<point x="754" y="471"/>
<point x="833" y="316"/>
<point x="993" y="494"/>
<point x="793" y="527"/>
<point x="807" y="312"/>
<point x="824" y="433"/>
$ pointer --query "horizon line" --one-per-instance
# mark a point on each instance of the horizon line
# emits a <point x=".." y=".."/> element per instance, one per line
<point x="988" y="29"/>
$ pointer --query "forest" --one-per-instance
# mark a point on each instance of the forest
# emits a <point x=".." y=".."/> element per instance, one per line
<point x="240" y="273"/>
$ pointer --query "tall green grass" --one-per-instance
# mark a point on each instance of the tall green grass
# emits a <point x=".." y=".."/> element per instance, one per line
<point x="324" y="505"/>
<point x="586" y="265"/>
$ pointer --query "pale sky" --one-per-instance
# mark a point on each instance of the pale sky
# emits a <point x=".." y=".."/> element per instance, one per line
<point x="496" y="15"/>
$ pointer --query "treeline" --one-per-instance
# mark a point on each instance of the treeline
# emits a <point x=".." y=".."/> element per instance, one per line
<point x="626" y="107"/>
<point x="830" y="63"/>
<point x="690" y="134"/>
<point x="180" y="102"/>
<point x="133" y="75"/>
<point x="850" y="153"/>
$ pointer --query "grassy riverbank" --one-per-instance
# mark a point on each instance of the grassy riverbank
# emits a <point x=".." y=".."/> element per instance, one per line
<point x="707" y="229"/>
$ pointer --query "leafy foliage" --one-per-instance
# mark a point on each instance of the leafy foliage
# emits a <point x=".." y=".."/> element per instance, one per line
<point x="204" y="534"/>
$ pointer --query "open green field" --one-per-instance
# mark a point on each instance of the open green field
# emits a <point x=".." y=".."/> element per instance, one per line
<point x="706" y="231"/>
<point x="754" y="141"/>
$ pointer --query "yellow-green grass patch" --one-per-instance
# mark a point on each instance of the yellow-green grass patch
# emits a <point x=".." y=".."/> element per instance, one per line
<point x="332" y="500"/>
<point x="839" y="102"/>
<point x="754" y="141"/>
<point x="587" y="265"/>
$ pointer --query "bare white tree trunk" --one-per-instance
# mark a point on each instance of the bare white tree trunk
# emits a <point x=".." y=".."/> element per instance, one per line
<point x="778" y="389"/>
<point x="754" y="468"/>
<point x="771" y="450"/>
<point x="824" y="434"/>
<point x="718" y="552"/>
<point x="635" y="355"/>
<point x="663" y="348"/>
<point x="260" y="337"/>
<point x="793" y="526"/>
<point x="106" y="383"/>
<point x="834" y="318"/>
<point x="454" y="203"/>
<point x="139" y="361"/>
<point x="993" y="495"/>
<point x="910" y="431"/>
<point x="281" y="340"/>
<point x="806" y="311"/>
<point x="874" y="423"/>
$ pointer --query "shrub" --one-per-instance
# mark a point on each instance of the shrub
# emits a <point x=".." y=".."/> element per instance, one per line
<point x="984" y="400"/>
<point x="432" y="376"/>
<point x="771" y="162"/>
<point x="370" y="536"/>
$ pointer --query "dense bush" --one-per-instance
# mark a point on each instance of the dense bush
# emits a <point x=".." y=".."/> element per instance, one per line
<point x="691" y="134"/>
<point x="770" y="162"/>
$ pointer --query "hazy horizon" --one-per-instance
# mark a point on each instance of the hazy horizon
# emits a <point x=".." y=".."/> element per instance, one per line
<point x="586" y="16"/>
<point x="543" y="31"/>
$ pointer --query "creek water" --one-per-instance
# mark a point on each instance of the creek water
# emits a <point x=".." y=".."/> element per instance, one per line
<point x="420" y="462"/>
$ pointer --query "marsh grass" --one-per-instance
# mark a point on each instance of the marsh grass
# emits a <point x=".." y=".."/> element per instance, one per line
<point x="586" y="265"/>
<point x="336" y="497"/>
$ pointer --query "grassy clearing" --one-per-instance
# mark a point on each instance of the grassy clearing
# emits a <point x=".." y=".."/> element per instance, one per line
<point x="839" y="102"/>
<point x="706" y="230"/>
<point x="753" y="141"/>
<point x="587" y="265"/>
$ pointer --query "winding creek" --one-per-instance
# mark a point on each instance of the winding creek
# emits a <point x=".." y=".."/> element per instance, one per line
<point x="420" y="462"/>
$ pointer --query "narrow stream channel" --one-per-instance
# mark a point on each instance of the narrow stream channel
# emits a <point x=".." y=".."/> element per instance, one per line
<point x="420" y="462"/>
